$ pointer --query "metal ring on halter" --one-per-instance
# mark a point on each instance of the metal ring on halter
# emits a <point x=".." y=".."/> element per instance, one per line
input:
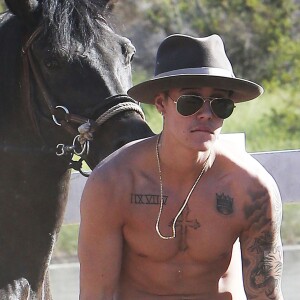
<point x="60" y="150"/>
<point x="84" y="147"/>
<point x="53" y="116"/>
<point x="63" y="149"/>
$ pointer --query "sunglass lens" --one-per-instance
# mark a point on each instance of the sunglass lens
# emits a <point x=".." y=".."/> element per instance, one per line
<point x="188" y="104"/>
<point x="222" y="108"/>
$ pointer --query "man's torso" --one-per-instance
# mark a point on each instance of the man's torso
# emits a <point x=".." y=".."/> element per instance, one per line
<point x="189" y="266"/>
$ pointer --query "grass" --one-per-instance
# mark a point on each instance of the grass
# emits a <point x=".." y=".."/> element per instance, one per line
<point x="66" y="245"/>
<point x="290" y="229"/>
<point x="264" y="119"/>
<point x="251" y="112"/>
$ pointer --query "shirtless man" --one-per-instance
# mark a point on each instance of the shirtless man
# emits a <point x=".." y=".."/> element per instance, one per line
<point x="160" y="216"/>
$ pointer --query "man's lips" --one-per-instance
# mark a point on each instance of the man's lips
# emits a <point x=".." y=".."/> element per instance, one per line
<point x="202" y="129"/>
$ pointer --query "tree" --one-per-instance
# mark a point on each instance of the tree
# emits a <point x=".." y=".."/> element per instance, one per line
<point x="260" y="36"/>
<point x="2" y="6"/>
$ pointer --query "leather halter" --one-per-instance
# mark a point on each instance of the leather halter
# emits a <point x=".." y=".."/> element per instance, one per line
<point x="60" y="114"/>
<point x="28" y="63"/>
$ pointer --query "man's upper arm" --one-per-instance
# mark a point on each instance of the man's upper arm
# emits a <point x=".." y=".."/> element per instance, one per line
<point x="100" y="241"/>
<point x="261" y="245"/>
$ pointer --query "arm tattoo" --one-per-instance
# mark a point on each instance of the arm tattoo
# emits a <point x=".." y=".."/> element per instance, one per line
<point x="262" y="251"/>
<point x="267" y="272"/>
<point x="224" y="204"/>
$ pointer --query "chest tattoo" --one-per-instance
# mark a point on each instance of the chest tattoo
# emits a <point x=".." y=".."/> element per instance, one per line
<point x="224" y="204"/>
<point x="183" y="223"/>
<point x="147" y="199"/>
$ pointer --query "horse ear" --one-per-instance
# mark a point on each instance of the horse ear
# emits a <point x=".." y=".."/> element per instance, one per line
<point x="26" y="10"/>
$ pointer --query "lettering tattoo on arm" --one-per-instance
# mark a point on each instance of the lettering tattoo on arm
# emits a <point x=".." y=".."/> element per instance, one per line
<point x="262" y="255"/>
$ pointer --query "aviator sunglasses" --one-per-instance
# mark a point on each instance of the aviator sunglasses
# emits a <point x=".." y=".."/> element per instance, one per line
<point x="188" y="105"/>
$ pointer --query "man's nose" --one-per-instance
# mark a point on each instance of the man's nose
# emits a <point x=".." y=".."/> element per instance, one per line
<point x="205" y="111"/>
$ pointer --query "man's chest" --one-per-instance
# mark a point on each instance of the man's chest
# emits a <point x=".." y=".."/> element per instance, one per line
<point x="206" y="228"/>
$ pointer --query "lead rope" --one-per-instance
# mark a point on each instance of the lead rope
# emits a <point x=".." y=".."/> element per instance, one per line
<point x="161" y="194"/>
<point x="86" y="130"/>
<point x="86" y="134"/>
<point x="118" y="108"/>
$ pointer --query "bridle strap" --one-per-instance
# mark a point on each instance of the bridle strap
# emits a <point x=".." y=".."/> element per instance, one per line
<point x="49" y="102"/>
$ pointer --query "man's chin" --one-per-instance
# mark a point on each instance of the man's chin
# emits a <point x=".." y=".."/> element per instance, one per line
<point x="205" y="145"/>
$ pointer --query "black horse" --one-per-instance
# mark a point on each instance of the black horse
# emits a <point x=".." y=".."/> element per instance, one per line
<point x="61" y="67"/>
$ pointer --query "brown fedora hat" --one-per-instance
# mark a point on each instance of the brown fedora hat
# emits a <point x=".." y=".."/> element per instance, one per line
<point x="189" y="62"/>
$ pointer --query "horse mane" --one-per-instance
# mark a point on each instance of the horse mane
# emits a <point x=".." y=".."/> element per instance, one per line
<point x="65" y="20"/>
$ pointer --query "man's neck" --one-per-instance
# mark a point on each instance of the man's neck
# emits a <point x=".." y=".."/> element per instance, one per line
<point x="183" y="161"/>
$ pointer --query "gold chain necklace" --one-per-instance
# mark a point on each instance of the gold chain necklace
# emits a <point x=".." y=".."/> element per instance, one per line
<point x="161" y="195"/>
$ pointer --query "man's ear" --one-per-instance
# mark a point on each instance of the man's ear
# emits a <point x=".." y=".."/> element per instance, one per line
<point x="160" y="102"/>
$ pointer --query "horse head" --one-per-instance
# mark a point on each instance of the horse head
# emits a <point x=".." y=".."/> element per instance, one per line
<point x="75" y="69"/>
<point x="63" y="80"/>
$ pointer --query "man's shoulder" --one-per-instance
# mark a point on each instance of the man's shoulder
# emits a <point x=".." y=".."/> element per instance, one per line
<point x="243" y="165"/>
<point x="124" y="161"/>
<point x="128" y="153"/>
<point x="250" y="182"/>
<point x="112" y="181"/>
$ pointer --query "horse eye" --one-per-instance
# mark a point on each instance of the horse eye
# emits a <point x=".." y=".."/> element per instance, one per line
<point x="51" y="63"/>
<point x="128" y="51"/>
<point x="124" y="49"/>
